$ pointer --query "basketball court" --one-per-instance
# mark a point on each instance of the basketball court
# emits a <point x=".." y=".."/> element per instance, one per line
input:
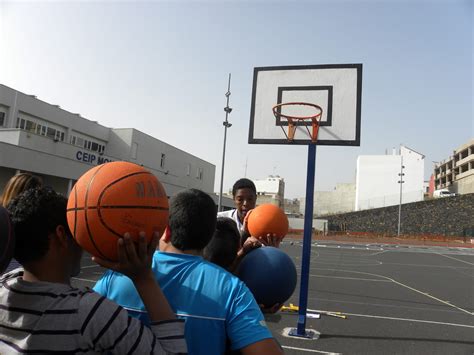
<point x="397" y="299"/>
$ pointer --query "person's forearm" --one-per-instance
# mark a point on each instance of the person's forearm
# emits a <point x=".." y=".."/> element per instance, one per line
<point x="154" y="300"/>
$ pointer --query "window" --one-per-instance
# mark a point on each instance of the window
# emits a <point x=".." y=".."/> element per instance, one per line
<point x="59" y="136"/>
<point x="50" y="132"/>
<point x="2" y="118"/>
<point x="199" y="174"/>
<point x="30" y="126"/>
<point x="80" y="141"/>
<point x="72" y="140"/>
<point x="188" y="170"/>
<point x="162" y="162"/>
<point x="95" y="147"/>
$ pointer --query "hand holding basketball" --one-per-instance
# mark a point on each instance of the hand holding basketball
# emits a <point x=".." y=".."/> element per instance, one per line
<point x="268" y="223"/>
<point x="270" y="240"/>
<point x="113" y="199"/>
<point x="134" y="260"/>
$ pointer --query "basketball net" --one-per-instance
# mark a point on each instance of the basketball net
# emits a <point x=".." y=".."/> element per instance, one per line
<point x="293" y="121"/>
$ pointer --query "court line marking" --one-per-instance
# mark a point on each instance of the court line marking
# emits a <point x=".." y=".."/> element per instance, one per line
<point x="380" y="252"/>
<point x="462" y="261"/>
<point x="409" y="287"/>
<point x="382" y="305"/>
<point x="430" y="266"/>
<point x="400" y="319"/>
<point x="348" y="278"/>
<point x="309" y="350"/>
<point x="431" y="249"/>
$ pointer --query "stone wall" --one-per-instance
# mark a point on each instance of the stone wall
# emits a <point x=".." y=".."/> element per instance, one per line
<point x="449" y="216"/>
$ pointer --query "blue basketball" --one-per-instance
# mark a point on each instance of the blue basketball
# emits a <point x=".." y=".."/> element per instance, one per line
<point x="7" y="240"/>
<point x="270" y="274"/>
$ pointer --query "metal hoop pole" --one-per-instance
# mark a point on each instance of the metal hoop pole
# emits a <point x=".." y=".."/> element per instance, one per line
<point x="308" y="232"/>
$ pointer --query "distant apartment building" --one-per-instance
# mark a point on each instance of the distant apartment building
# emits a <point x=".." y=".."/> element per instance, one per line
<point x="271" y="190"/>
<point x="292" y="207"/>
<point x="456" y="173"/>
<point x="378" y="179"/>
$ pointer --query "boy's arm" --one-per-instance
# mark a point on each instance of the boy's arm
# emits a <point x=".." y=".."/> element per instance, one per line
<point x="168" y="330"/>
<point x="246" y="326"/>
<point x="137" y="266"/>
<point x="107" y="327"/>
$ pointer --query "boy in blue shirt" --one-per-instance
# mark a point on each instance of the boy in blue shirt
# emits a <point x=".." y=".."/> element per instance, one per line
<point x="217" y="306"/>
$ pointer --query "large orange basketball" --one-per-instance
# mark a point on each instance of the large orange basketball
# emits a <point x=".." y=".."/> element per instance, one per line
<point x="112" y="199"/>
<point x="267" y="219"/>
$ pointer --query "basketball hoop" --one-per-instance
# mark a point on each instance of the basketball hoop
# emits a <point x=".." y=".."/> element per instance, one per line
<point x="294" y="120"/>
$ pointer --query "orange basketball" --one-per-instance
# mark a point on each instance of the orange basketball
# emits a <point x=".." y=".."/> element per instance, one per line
<point x="267" y="219"/>
<point x="112" y="199"/>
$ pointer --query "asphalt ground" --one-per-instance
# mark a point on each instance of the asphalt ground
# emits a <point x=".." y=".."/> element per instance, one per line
<point x="397" y="299"/>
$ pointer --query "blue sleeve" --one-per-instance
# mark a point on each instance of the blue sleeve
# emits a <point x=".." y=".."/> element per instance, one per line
<point x="120" y="289"/>
<point x="101" y="286"/>
<point x="245" y="323"/>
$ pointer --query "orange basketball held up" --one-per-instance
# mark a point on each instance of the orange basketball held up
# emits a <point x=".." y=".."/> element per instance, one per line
<point x="113" y="199"/>
<point x="267" y="219"/>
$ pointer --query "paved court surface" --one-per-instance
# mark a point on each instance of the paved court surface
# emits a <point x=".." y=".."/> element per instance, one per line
<point x="397" y="299"/>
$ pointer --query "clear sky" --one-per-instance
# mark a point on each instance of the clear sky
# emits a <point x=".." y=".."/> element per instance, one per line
<point x="162" y="67"/>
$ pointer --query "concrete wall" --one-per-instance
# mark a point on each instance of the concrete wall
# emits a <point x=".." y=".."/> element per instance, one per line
<point x="465" y="182"/>
<point x="319" y="225"/>
<point x="448" y="216"/>
<point x="341" y="199"/>
<point x="180" y="169"/>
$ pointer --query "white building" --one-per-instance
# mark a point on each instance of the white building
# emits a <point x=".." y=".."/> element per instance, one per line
<point x="60" y="146"/>
<point x="271" y="190"/>
<point x="377" y="179"/>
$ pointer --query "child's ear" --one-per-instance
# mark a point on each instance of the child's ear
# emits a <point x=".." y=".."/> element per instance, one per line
<point x="166" y="237"/>
<point x="61" y="235"/>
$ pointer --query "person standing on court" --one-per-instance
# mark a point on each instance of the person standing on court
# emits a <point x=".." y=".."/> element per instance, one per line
<point x="15" y="186"/>
<point x="244" y="194"/>
<point x="220" y="311"/>
<point x="42" y="313"/>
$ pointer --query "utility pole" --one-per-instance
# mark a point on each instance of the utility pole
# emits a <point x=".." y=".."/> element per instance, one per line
<point x="401" y="174"/>
<point x="226" y="124"/>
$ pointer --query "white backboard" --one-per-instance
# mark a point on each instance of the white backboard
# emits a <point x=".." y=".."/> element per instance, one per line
<point x="336" y="88"/>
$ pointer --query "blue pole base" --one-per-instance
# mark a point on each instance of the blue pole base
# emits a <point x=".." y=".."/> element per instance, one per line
<point x="308" y="334"/>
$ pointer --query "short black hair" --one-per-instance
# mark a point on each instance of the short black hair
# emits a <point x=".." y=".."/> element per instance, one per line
<point x="192" y="219"/>
<point x="243" y="184"/>
<point x="224" y="245"/>
<point x="35" y="214"/>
